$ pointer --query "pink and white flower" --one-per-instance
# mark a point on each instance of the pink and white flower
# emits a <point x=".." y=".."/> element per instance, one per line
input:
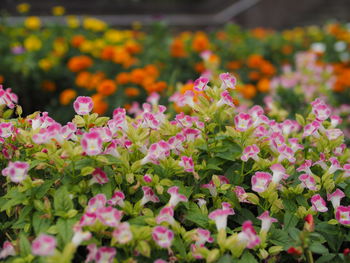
<point x="228" y="81"/>
<point x="266" y="221"/>
<point x="44" y="245"/>
<point x="166" y="215"/>
<point x="346" y="169"/>
<point x="6" y="129"/>
<point x="312" y="129"/>
<point x="260" y="181"/>
<point x="96" y="202"/>
<point x="99" y="176"/>
<point x="117" y="199"/>
<point x="248" y="236"/>
<point x="109" y="216"/>
<point x="278" y="173"/>
<point x="211" y="186"/>
<point x="225" y="99"/>
<point x="163" y="236"/>
<point x="333" y="134"/>
<point x="105" y="255"/>
<point x="201" y="84"/>
<point x="241" y="194"/>
<point x="342" y="214"/>
<point x="220" y="216"/>
<point x="308" y="181"/>
<point x="286" y="152"/>
<point x="243" y="121"/>
<point x="175" y="196"/>
<point x="318" y="204"/>
<point x="148" y="196"/>
<point x="83" y="105"/>
<point x="336" y="197"/>
<point x="17" y="171"/>
<point x="187" y="163"/>
<point x="92" y="143"/>
<point x="7" y="250"/>
<point x="122" y="234"/>
<point x="80" y="236"/>
<point x="250" y="151"/>
<point x="322" y="112"/>
<point x="305" y="167"/>
<point x="335" y="165"/>
<point x="157" y="151"/>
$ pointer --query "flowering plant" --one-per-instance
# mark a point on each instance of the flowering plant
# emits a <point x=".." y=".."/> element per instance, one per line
<point x="217" y="185"/>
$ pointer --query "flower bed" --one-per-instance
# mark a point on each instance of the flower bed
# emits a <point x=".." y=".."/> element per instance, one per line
<point x="218" y="185"/>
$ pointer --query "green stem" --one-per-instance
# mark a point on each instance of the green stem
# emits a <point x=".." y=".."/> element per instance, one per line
<point x="309" y="257"/>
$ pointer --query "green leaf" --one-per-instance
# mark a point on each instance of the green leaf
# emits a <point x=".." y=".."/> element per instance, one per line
<point x="24" y="245"/>
<point x="247" y="258"/>
<point x="195" y="215"/>
<point x="40" y="224"/>
<point x="325" y="258"/>
<point x="41" y="191"/>
<point x="290" y="220"/>
<point x="65" y="230"/>
<point x="318" y="248"/>
<point x="180" y="246"/>
<point x="280" y="238"/>
<point x="225" y="259"/>
<point x="62" y="201"/>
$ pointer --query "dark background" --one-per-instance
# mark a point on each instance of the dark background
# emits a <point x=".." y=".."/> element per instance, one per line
<point x="276" y="14"/>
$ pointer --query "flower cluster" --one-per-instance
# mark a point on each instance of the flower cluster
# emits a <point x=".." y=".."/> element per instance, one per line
<point x="221" y="183"/>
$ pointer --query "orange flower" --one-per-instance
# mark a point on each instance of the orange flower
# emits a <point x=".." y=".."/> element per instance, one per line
<point x="199" y="67"/>
<point x="233" y="65"/>
<point x="108" y="53"/>
<point x="254" y="75"/>
<point x="122" y="78"/>
<point x="152" y="70"/>
<point x="132" y="92"/>
<point x="200" y="42"/>
<point x="107" y="87"/>
<point x="267" y="68"/>
<point x="260" y="32"/>
<point x="254" y="61"/>
<point x="287" y="49"/>
<point x="138" y="75"/>
<point x="156" y="87"/>
<point x="100" y="106"/>
<point x="263" y="85"/>
<point x="79" y="63"/>
<point x="67" y="96"/>
<point x="177" y="48"/>
<point x="133" y="47"/>
<point x="48" y="85"/>
<point x="248" y="91"/>
<point x="2" y="79"/>
<point x="95" y="80"/>
<point x="77" y="40"/>
<point x="83" y="79"/>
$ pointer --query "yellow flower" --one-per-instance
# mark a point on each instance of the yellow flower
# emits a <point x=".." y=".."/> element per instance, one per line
<point x="32" y="22"/>
<point x="32" y="43"/>
<point x="73" y="22"/>
<point x="86" y="46"/>
<point x="45" y="64"/>
<point x="58" y="10"/>
<point x="94" y="24"/>
<point x="23" y="8"/>
<point x="113" y="36"/>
